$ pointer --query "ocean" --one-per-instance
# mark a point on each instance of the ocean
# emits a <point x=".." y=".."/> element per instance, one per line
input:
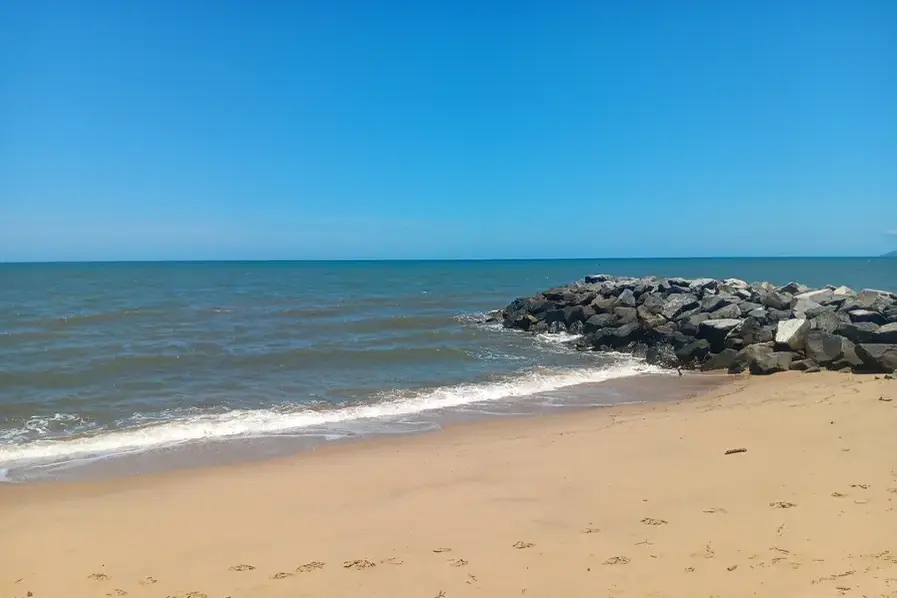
<point x="132" y="365"/>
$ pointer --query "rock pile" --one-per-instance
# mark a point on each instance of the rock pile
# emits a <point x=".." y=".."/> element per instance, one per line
<point x="720" y="324"/>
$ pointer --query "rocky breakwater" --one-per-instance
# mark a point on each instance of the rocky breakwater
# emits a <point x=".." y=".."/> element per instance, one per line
<point x="713" y="324"/>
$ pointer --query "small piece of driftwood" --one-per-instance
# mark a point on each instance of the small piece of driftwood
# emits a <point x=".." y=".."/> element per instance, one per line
<point x="736" y="450"/>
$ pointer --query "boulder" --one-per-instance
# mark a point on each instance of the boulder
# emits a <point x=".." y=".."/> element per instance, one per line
<point x="862" y="332"/>
<point x="716" y="331"/>
<point x="793" y="288"/>
<point x="828" y="321"/>
<point x="597" y="322"/>
<point x="866" y="315"/>
<point x="759" y="314"/>
<point x="878" y="357"/>
<point x="603" y="305"/>
<point x="746" y="307"/>
<point x="700" y="284"/>
<point x="746" y="356"/>
<point x="842" y="291"/>
<point x="770" y="363"/>
<point x="693" y="351"/>
<point x="720" y="361"/>
<point x="596" y="278"/>
<point x="714" y="302"/>
<point x="776" y="300"/>
<point x="577" y="313"/>
<point x="820" y="296"/>
<point x="823" y="347"/>
<point x="691" y="324"/>
<point x="625" y="315"/>
<point x="805" y="365"/>
<point x="776" y="315"/>
<point x="871" y="299"/>
<point x="817" y="310"/>
<point x="887" y="334"/>
<point x="753" y="331"/>
<point x="891" y="314"/>
<point x="676" y="304"/>
<point x="849" y="357"/>
<point x="626" y="299"/>
<point x="521" y="321"/>
<point x="557" y="327"/>
<point x="650" y="318"/>
<point x="651" y="303"/>
<point x="575" y="328"/>
<point x="803" y="306"/>
<point x="662" y="355"/>
<point x="793" y="333"/>
<point x="728" y="312"/>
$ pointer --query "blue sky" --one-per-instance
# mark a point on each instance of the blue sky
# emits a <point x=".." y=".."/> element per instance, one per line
<point x="446" y="129"/>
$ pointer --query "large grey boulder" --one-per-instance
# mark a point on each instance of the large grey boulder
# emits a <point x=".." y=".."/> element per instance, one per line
<point x="676" y="304"/>
<point x="651" y="318"/>
<point x="715" y="331"/>
<point x="776" y="300"/>
<point x="793" y="333"/>
<point x="804" y="365"/>
<point x="871" y="299"/>
<point x="626" y="299"/>
<point x="625" y="315"/>
<point x="820" y="296"/>
<point x="878" y="357"/>
<point x="691" y="324"/>
<point x="770" y="363"/>
<point x="823" y="347"/>
<point x="866" y="315"/>
<point x="597" y="322"/>
<point x="603" y="305"/>
<point x="693" y="351"/>
<point x="720" y="361"/>
<point x="745" y="357"/>
<point x="849" y="357"/>
<point x="887" y="334"/>
<point x="793" y="288"/>
<point x="728" y="312"/>
<point x="828" y="321"/>
<point x="753" y="331"/>
<point x="862" y="332"/>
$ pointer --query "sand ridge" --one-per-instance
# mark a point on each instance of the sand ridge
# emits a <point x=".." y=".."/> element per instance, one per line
<point x="631" y="501"/>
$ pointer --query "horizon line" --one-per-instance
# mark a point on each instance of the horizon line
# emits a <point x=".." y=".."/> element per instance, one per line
<point x="425" y="260"/>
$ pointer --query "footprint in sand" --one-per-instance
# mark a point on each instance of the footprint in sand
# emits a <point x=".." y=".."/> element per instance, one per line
<point x="520" y="545"/>
<point x="359" y="564"/>
<point x="457" y="563"/>
<point x="188" y="595"/>
<point x="281" y="575"/>
<point x="311" y="566"/>
<point x="442" y="550"/>
<point x="779" y="504"/>
<point x="393" y="560"/>
<point x="240" y="568"/>
<point x="98" y="576"/>
<point x="652" y="521"/>
<point x="117" y="592"/>
<point x="838" y="495"/>
<point x="591" y="530"/>
<point x="617" y="560"/>
<point x="148" y="580"/>
<point x="862" y="486"/>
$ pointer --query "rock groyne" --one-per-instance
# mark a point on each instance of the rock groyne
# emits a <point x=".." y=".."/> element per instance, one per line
<point x="714" y="324"/>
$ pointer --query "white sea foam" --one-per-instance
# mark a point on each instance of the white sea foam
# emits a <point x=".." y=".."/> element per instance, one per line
<point x="263" y="422"/>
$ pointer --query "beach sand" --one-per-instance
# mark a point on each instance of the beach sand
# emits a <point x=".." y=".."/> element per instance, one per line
<point x="630" y="501"/>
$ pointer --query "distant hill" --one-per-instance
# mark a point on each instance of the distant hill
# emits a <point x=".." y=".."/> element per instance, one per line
<point x="890" y="254"/>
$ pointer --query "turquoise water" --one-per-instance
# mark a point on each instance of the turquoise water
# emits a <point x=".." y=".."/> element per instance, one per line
<point x="112" y="359"/>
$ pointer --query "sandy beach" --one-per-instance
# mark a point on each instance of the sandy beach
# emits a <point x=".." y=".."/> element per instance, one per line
<point x="631" y="501"/>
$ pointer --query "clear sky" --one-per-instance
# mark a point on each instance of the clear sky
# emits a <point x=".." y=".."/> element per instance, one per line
<point x="224" y="129"/>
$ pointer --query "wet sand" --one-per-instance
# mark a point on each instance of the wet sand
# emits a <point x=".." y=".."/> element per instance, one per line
<point x="638" y="500"/>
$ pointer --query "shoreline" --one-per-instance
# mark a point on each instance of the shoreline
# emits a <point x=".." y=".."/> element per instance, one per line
<point x="646" y="387"/>
<point x="631" y="500"/>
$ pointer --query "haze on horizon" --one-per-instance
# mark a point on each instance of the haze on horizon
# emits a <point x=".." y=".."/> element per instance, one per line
<point x="314" y="130"/>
